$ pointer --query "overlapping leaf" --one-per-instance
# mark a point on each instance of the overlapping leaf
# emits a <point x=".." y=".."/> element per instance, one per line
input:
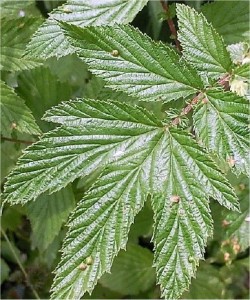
<point x="221" y="124"/>
<point x="15" y="114"/>
<point x="131" y="62"/>
<point x="202" y="45"/>
<point x="15" y="35"/>
<point x="140" y="156"/>
<point x="49" y="40"/>
<point x="230" y="18"/>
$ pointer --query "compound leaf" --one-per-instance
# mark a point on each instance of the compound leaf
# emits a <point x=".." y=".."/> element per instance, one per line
<point x="202" y="45"/>
<point x="140" y="156"/>
<point x="131" y="62"/>
<point x="15" y="114"/>
<point x="221" y="124"/>
<point x="15" y="35"/>
<point x="49" y="40"/>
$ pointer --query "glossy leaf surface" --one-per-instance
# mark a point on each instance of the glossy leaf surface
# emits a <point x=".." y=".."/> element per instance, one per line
<point x="131" y="62"/>
<point x="49" y="40"/>
<point x="202" y="45"/>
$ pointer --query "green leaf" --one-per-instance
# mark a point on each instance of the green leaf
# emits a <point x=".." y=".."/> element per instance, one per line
<point x="132" y="271"/>
<point x="202" y="45"/>
<point x="182" y="215"/>
<point x="93" y="134"/>
<point x="234" y="25"/>
<point x="5" y="270"/>
<point x="130" y="61"/>
<point x="15" y="114"/>
<point x="100" y="225"/>
<point x="99" y="134"/>
<point x="15" y="35"/>
<point x="7" y="250"/>
<point x="142" y="226"/>
<point x="221" y="124"/>
<point x="47" y="215"/>
<point x="49" y="40"/>
<point x="237" y="228"/>
<point x="10" y="153"/>
<point x="41" y="90"/>
<point x="17" y="8"/>
<point x="243" y="71"/>
<point x="208" y="284"/>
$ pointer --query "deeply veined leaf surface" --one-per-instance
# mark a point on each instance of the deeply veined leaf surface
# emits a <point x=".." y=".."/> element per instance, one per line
<point x="222" y="126"/>
<point x="92" y="135"/>
<point x="100" y="225"/>
<point x="182" y="216"/>
<point x="202" y="45"/>
<point x="15" y="34"/>
<point x="49" y="40"/>
<point x="131" y="62"/>
<point x="141" y="156"/>
<point x="15" y="114"/>
<point x="103" y="217"/>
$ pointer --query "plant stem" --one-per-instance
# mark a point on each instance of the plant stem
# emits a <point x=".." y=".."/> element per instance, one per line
<point x="3" y="138"/>
<point x="186" y="110"/>
<point x="20" y="264"/>
<point x="171" y="26"/>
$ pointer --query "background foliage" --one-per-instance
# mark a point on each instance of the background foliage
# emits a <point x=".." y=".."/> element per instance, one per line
<point x="40" y="69"/>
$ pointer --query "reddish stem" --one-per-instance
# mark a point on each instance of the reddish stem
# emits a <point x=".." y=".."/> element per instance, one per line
<point x="186" y="109"/>
<point x="171" y="26"/>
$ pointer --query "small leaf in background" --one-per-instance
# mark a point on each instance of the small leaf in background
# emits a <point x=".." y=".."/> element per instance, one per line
<point x="15" y="115"/>
<point x="47" y="215"/>
<point x="18" y="8"/>
<point x="208" y="284"/>
<point x="234" y="25"/>
<point x="14" y="36"/>
<point x="131" y="272"/>
<point x="5" y="270"/>
<point x="42" y="90"/>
